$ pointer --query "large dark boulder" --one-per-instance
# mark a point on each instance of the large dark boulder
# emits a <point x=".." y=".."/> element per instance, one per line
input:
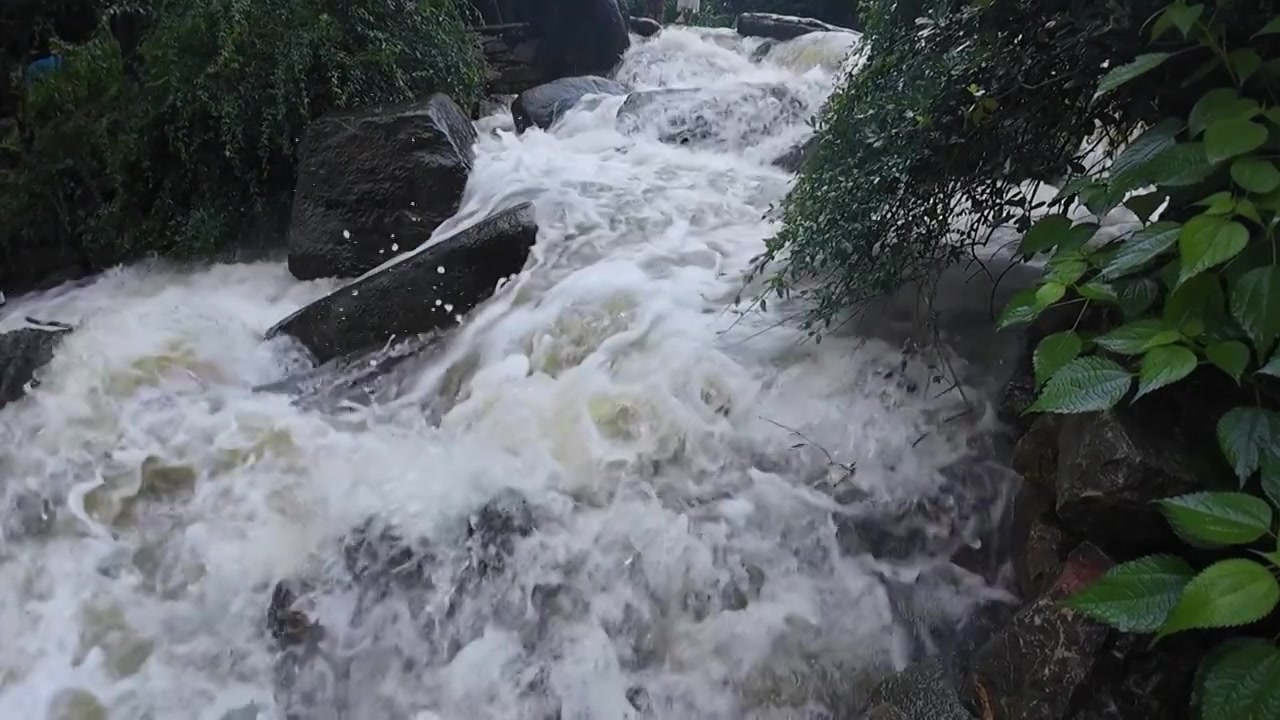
<point x="582" y="37"/>
<point x="375" y="182"/>
<point x="511" y="58"/>
<point x="418" y="294"/>
<point x="1111" y="467"/>
<point x="702" y="118"/>
<point x="543" y="105"/>
<point x="22" y="354"/>
<point x="781" y="27"/>
<point x="644" y="27"/>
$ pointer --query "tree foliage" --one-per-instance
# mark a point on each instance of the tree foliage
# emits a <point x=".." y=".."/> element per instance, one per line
<point x="185" y="145"/>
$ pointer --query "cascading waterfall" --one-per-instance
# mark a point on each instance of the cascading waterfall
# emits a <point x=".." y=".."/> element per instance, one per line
<point x="630" y="498"/>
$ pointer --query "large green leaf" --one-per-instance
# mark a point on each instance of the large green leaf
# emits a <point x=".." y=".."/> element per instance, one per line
<point x="1179" y="15"/>
<point x="1137" y="296"/>
<point x="1228" y="593"/>
<point x="1098" y="292"/>
<point x="1214" y="519"/>
<point x="1139" y="336"/>
<point x="1231" y="356"/>
<point x="1086" y="384"/>
<point x="1046" y="234"/>
<point x="1120" y="75"/>
<point x="1219" y="104"/>
<point x="1133" y="167"/>
<point x="1141" y="247"/>
<point x="1137" y="596"/>
<point x="1054" y="352"/>
<point x="1244" y="434"/>
<point x="1195" y="300"/>
<point x="1225" y="139"/>
<point x="1255" y="304"/>
<point x="1255" y="175"/>
<point x="1272" y="367"/>
<point x="1050" y="293"/>
<point x="1181" y="165"/>
<point x="1244" y="62"/>
<point x="1207" y="241"/>
<point x="1242" y="683"/>
<point x="1022" y="308"/>
<point x="1163" y="366"/>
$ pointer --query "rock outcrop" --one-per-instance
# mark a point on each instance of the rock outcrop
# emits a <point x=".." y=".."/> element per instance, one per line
<point x="427" y="291"/>
<point x="544" y="105"/>
<point x="781" y="27"/>
<point x="376" y="182"/>
<point x="542" y="41"/>
<point x="22" y="354"/>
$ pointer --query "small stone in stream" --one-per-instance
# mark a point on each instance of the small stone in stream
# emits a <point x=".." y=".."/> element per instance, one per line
<point x="248" y="712"/>
<point x="644" y="27"/>
<point x="288" y="626"/>
<point x="493" y="530"/>
<point x="542" y="106"/>
<point x="1032" y="668"/>
<point x="377" y="556"/>
<point x="638" y="696"/>
<point x="30" y="515"/>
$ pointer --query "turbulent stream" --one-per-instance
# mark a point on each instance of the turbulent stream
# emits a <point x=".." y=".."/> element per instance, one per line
<point x="618" y="495"/>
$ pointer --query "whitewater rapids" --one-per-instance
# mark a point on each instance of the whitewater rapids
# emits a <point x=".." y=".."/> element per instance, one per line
<point x="681" y="459"/>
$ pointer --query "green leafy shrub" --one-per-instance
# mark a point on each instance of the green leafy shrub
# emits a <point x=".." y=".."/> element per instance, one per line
<point x="1197" y="286"/>
<point x="196" y="152"/>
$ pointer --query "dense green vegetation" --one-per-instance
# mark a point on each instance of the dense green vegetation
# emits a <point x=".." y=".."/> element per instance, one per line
<point x="182" y="141"/>
<point x="947" y="133"/>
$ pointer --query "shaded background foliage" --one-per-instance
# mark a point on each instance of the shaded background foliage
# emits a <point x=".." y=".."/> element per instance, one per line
<point x="172" y="129"/>
<point x="950" y="114"/>
<point x="724" y="12"/>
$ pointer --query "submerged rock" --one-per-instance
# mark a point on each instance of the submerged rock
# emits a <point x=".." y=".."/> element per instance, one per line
<point x="782" y="27"/>
<point x="376" y="182"/>
<point x="22" y="354"/>
<point x="796" y="157"/>
<point x="544" y="105"/>
<point x="426" y="291"/>
<point x="701" y="117"/>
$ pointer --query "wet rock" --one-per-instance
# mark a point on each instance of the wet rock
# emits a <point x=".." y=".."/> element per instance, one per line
<point x="511" y="58"/>
<point x="781" y="27"/>
<point x="1035" y="456"/>
<point x="1031" y="669"/>
<point x="361" y="378"/>
<point x="582" y="37"/>
<point x="1111" y="467"/>
<point x="544" y="105"/>
<point x="22" y="354"/>
<point x="924" y="691"/>
<point x="796" y="157"/>
<point x="76" y="704"/>
<point x="492" y="532"/>
<point x="379" y="559"/>
<point x="1040" y="560"/>
<point x="1133" y="679"/>
<point x="762" y="51"/>
<point x="703" y="117"/>
<point x="375" y="182"/>
<point x="289" y="626"/>
<point x="643" y="26"/>
<point x="427" y="291"/>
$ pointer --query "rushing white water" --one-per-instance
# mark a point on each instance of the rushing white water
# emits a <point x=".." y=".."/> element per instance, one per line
<point x="681" y="461"/>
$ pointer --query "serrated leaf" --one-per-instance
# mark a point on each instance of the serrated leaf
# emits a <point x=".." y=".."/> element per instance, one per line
<point x="1215" y="519"/>
<point x="1163" y="366"/>
<point x="1141" y="247"/>
<point x="1231" y="357"/>
<point x="1120" y="75"/>
<point x="1133" y="166"/>
<point x="1244" y="434"/>
<point x="1242" y="683"/>
<point x="1054" y="352"/>
<point x="1254" y="175"/>
<point x="1255" y="304"/>
<point x="1225" y="139"/>
<point x="1022" y="308"/>
<point x="1194" y="301"/>
<point x="1045" y="234"/>
<point x="1219" y="104"/>
<point x="1086" y="384"/>
<point x="1136" y="596"/>
<point x="1181" y="165"/>
<point x="1139" y="336"/>
<point x="1137" y="296"/>
<point x="1229" y="593"/>
<point x="1098" y="292"/>
<point x="1207" y="241"/>
<point x="1272" y="367"/>
<point x="1270" y="28"/>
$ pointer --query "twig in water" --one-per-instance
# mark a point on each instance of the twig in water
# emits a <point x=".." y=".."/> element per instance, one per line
<point x="849" y="468"/>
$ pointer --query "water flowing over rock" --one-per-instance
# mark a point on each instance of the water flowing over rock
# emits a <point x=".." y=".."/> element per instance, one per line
<point x="795" y="158"/>
<point x="425" y="291"/>
<point x="375" y="182"/>
<point x="543" y="105"/>
<point x="22" y="354"/>
<point x="781" y="27"/>
<point x="710" y="118"/>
